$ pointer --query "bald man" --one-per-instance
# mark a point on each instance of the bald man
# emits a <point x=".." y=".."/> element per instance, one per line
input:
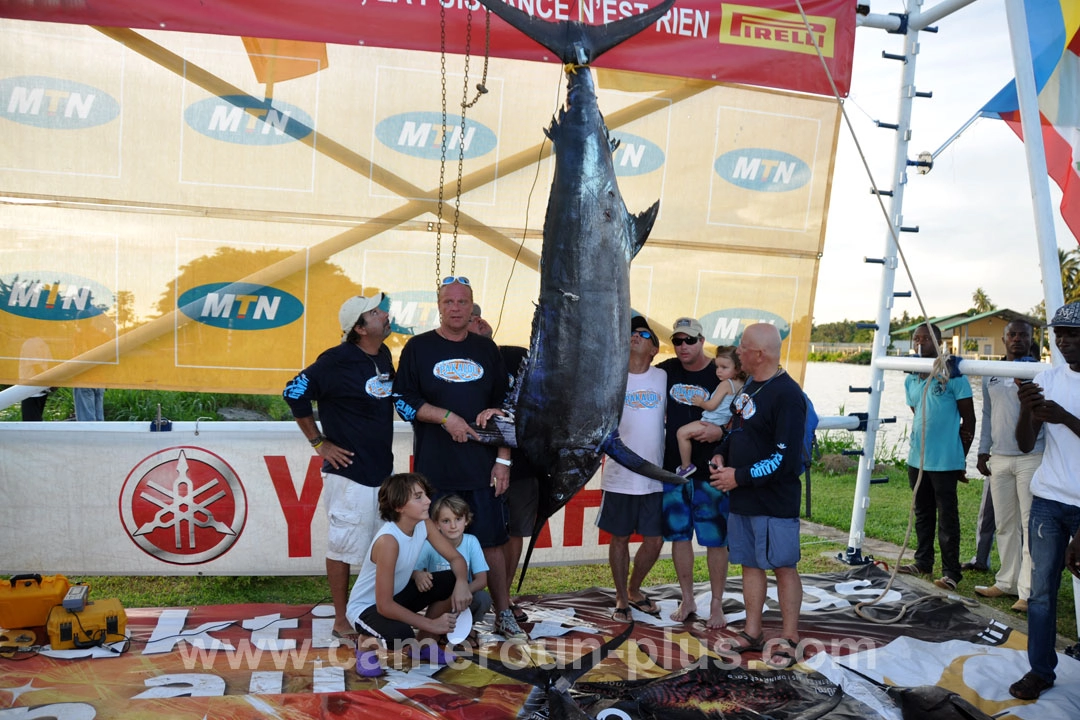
<point x="758" y="463"/>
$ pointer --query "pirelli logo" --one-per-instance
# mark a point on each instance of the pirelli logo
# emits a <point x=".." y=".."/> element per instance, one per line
<point x="776" y="29"/>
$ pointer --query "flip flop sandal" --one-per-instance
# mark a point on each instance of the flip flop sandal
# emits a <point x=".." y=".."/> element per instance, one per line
<point x="621" y="615"/>
<point x="646" y="606"/>
<point x="786" y="651"/>
<point x="753" y="644"/>
<point x="519" y="614"/>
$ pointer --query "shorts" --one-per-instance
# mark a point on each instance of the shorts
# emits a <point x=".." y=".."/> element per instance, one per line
<point x="392" y="632"/>
<point x="764" y="542"/>
<point x="622" y="515"/>
<point x="696" y="506"/>
<point x="353" y="518"/>
<point x="489" y="515"/>
<point x="522" y="498"/>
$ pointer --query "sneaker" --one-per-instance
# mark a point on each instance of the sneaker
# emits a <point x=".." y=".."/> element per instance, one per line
<point x="1030" y="687"/>
<point x="435" y="655"/>
<point x="367" y="664"/>
<point x="508" y="627"/>
<point x="686" y="471"/>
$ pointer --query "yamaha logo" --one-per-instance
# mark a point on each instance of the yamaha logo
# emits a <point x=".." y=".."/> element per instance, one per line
<point x="183" y="505"/>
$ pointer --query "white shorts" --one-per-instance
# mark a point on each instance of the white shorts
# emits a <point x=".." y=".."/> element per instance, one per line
<point x="353" y="517"/>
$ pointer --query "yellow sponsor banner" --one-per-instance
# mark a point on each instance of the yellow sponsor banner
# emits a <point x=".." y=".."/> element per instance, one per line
<point x="210" y="227"/>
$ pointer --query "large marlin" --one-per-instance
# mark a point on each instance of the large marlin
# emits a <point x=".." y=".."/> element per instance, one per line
<point x="571" y="392"/>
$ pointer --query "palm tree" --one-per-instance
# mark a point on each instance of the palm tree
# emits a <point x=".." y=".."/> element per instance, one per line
<point x="1070" y="273"/>
<point x="982" y="302"/>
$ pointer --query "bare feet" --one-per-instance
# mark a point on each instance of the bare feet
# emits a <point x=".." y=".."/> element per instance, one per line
<point x="716" y="614"/>
<point x="686" y="611"/>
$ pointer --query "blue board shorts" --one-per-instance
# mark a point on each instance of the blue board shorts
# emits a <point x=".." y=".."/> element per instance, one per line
<point x="763" y="542"/>
<point x="696" y="506"/>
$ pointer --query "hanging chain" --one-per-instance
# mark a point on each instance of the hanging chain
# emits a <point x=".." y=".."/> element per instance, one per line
<point x="442" y="159"/>
<point x="481" y="87"/>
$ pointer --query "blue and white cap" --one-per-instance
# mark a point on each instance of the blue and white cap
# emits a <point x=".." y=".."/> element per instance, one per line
<point x="1067" y="316"/>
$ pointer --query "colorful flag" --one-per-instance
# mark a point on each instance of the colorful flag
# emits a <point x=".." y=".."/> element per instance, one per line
<point x="1054" y="29"/>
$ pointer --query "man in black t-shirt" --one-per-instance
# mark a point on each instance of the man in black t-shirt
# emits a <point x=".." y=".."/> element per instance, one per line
<point x="447" y="378"/>
<point x="694" y="506"/>
<point x="759" y="463"/>
<point x="351" y="383"/>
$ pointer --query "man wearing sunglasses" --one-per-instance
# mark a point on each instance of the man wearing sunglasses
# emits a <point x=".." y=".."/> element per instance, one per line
<point x="351" y="382"/>
<point x="695" y="506"/>
<point x="447" y="378"/>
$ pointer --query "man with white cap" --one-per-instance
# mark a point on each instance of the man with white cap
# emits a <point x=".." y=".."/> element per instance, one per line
<point x="1051" y="402"/>
<point x="352" y="384"/>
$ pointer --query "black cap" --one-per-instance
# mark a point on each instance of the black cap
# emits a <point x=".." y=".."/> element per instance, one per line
<point x="638" y="322"/>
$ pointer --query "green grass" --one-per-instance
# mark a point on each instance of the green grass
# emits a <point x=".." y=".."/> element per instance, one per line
<point x="142" y="405"/>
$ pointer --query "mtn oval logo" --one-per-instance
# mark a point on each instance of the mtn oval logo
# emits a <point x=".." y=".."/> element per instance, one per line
<point x="55" y="104"/>
<point x="43" y="295"/>
<point x="636" y="155"/>
<point x="240" y="306"/>
<point x="725" y="327"/>
<point x="245" y="120"/>
<point x="419" y="134"/>
<point x="762" y="169"/>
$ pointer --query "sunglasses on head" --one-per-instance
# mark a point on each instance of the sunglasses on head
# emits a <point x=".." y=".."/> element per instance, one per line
<point x="450" y="280"/>
<point x="643" y="333"/>
<point x="691" y="340"/>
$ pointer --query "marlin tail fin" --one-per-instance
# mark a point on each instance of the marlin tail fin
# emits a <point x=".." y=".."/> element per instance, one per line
<point x="575" y="42"/>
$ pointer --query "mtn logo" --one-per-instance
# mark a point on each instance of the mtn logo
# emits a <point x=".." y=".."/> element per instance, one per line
<point x="762" y="169"/>
<point x="53" y="296"/>
<point x="55" y="104"/>
<point x="636" y="155"/>
<point x="420" y="134"/>
<point x="725" y="327"/>
<point x="245" y="120"/>
<point x="240" y="306"/>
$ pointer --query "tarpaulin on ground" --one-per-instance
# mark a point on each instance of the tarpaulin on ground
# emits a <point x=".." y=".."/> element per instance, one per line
<point x="172" y="222"/>
<point x="255" y="661"/>
<point x="756" y="42"/>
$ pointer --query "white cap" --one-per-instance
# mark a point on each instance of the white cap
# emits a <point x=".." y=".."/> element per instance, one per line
<point x="354" y="307"/>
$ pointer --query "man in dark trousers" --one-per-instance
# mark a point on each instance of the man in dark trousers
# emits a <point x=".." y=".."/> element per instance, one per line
<point x="351" y="383"/>
<point x="449" y="377"/>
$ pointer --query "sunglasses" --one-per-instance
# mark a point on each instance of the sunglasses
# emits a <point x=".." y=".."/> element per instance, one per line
<point x="643" y="333"/>
<point x="684" y="341"/>
<point x="450" y="280"/>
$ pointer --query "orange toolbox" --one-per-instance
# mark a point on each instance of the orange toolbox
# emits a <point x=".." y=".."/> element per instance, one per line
<point x="100" y="622"/>
<point x="25" y="600"/>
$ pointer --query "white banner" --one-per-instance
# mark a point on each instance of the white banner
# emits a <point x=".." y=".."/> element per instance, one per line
<point x="212" y="498"/>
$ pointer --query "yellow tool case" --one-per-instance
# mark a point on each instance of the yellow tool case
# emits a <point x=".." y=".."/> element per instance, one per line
<point x="101" y="621"/>
<point x="25" y="600"/>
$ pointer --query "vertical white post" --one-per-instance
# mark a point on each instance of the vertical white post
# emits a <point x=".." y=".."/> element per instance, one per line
<point x="880" y="348"/>
<point x="1054" y="296"/>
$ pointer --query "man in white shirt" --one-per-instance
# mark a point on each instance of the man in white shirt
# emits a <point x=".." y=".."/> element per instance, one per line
<point x="633" y="503"/>
<point x="1051" y="403"/>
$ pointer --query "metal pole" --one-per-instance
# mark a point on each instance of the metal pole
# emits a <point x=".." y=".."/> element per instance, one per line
<point x="853" y="554"/>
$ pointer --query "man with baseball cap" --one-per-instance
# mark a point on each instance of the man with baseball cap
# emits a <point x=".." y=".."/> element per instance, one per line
<point x="631" y="502"/>
<point x="695" y="506"/>
<point x="352" y="385"/>
<point x="1052" y="402"/>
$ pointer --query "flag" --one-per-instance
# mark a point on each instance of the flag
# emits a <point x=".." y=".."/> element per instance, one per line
<point x="1054" y="29"/>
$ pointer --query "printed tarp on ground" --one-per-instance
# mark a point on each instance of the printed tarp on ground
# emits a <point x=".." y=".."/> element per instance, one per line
<point x="255" y="661"/>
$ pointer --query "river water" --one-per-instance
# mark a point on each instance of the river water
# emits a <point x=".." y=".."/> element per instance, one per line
<point x="827" y="383"/>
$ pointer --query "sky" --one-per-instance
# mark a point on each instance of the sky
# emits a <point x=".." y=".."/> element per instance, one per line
<point x="974" y="209"/>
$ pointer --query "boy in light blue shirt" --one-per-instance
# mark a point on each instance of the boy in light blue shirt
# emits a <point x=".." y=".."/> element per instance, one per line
<point x="451" y="515"/>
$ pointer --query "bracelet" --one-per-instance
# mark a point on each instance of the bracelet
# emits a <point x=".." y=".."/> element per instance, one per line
<point x="317" y="440"/>
<point x="445" y="418"/>
<point x="504" y="461"/>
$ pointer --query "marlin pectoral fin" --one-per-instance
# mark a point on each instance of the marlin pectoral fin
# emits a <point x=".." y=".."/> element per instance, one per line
<point x="614" y="448"/>
<point x="642" y="225"/>
<point x="575" y="42"/>
<point x="499" y="431"/>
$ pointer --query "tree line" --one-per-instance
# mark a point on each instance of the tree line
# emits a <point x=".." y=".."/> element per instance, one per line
<point x="847" y="331"/>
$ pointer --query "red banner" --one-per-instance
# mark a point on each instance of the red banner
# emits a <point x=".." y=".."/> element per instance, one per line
<point x="754" y="42"/>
